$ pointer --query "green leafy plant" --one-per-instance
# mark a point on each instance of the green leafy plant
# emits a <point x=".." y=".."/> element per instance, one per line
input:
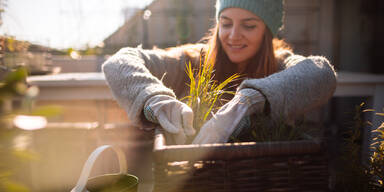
<point x="376" y="163"/>
<point x="355" y="175"/>
<point x="278" y="131"/>
<point x="11" y="86"/>
<point x="204" y="91"/>
<point x="263" y="129"/>
<point x="351" y="175"/>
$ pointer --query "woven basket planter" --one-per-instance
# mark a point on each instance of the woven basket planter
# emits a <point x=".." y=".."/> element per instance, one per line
<point x="273" y="166"/>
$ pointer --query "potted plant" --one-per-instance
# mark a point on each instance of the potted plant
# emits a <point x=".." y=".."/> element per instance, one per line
<point x="296" y="165"/>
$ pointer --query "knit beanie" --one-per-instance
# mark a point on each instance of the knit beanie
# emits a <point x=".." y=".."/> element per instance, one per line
<point x="270" y="11"/>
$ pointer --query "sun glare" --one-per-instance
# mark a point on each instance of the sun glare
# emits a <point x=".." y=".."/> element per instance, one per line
<point x="30" y="122"/>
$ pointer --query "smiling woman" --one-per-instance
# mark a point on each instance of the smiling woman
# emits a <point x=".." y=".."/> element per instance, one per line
<point x="276" y="83"/>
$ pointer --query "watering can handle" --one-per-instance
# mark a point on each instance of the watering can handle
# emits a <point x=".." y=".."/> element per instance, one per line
<point x="82" y="182"/>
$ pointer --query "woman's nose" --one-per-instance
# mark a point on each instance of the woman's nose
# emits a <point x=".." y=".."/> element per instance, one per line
<point x="235" y="33"/>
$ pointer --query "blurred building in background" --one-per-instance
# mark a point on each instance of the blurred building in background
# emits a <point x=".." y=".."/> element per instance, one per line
<point x="164" y="23"/>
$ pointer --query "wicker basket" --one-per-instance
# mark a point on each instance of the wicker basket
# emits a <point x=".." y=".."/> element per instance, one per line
<point x="274" y="166"/>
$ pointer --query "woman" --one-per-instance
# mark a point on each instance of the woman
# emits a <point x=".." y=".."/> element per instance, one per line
<point x="279" y="83"/>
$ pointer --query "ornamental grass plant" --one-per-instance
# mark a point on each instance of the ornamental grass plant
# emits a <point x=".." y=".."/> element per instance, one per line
<point x="205" y="93"/>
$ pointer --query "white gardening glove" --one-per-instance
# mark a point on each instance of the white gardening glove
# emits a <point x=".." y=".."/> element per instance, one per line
<point x="224" y="122"/>
<point x="174" y="116"/>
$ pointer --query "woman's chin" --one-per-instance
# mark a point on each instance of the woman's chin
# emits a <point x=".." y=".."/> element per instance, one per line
<point x="237" y="60"/>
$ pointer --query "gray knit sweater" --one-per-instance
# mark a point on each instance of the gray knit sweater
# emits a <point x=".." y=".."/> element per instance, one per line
<point x="134" y="75"/>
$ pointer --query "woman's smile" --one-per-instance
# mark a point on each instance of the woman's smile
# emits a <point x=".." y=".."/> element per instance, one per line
<point x="236" y="47"/>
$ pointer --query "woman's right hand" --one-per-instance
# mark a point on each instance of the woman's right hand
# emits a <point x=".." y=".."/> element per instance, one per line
<point x="174" y="116"/>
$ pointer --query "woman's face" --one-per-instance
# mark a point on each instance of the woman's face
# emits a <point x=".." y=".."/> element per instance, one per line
<point x="241" y="35"/>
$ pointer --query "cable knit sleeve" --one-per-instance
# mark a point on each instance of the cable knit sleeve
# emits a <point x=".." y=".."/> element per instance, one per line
<point x="303" y="84"/>
<point x="134" y="75"/>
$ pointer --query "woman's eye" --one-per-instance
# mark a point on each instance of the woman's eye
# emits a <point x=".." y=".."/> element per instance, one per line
<point x="249" y="26"/>
<point x="226" y="25"/>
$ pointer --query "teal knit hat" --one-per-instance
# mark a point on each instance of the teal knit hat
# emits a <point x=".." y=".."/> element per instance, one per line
<point x="270" y="11"/>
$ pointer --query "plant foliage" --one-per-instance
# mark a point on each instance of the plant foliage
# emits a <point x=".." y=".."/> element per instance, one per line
<point x="355" y="175"/>
<point x="204" y="91"/>
<point x="10" y="158"/>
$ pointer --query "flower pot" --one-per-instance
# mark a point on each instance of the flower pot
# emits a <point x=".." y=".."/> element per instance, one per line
<point x="248" y="166"/>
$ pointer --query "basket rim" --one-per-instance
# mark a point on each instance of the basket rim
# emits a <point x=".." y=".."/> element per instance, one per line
<point x="228" y="151"/>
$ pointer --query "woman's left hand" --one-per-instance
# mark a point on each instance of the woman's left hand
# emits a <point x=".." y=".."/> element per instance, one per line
<point x="219" y="128"/>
